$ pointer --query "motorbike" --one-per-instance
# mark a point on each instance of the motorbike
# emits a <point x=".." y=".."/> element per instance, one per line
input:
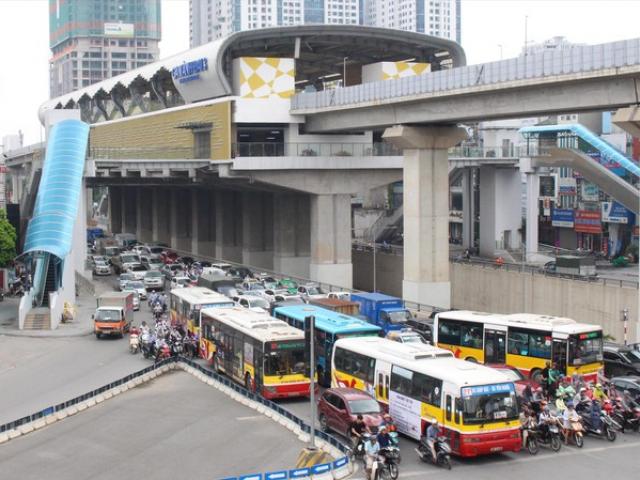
<point x="391" y="455"/>
<point x="190" y="347"/>
<point x="358" y="450"/>
<point x="134" y="343"/>
<point x="443" y="452"/>
<point x="1" y="295"/>
<point x="600" y="426"/>
<point x="147" y="346"/>
<point x="576" y="432"/>
<point x="547" y="435"/>
<point x="177" y="348"/>
<point x="627" y="419"/>
<point x="163" y="352"/>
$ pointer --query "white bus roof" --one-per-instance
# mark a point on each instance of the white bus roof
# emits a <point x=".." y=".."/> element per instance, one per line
<point x="442" y="364"/>
<point x="199" y="295"/>
<point x="525" y="320"/>
<point x="258" y="325"/>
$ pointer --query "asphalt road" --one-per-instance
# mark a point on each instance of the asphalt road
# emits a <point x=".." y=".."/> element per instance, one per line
<point x="173" y="427"/>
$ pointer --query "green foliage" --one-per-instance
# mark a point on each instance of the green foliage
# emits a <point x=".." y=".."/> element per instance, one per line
<point x="7" y="240"/>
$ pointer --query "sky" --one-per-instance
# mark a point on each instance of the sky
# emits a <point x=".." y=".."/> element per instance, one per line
<point x="491" y="29"/>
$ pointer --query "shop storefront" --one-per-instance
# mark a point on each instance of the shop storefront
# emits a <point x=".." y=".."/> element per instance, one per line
<point x="588" y="227"/>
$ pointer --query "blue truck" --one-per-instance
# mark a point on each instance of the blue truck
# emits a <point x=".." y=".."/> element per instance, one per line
<point x="385" y="311"/>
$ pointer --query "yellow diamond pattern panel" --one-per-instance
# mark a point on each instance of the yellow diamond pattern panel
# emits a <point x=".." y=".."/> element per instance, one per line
<point x="265" y="77"/>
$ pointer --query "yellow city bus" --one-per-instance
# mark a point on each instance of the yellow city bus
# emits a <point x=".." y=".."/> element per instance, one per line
<point x="475" y="405"/>
<point x="524" y="341"/>
<point x="186" y="304"/>
<point x="264" y="354"/>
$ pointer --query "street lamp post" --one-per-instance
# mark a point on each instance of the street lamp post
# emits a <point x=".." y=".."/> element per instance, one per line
<point x="344" y="71"/>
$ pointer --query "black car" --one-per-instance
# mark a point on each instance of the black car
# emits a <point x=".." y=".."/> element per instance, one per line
<point x="631" y="383"/>
<point x="423" y="327"/>
<point x="620" y="360"/>
<point x="241" y="272"/>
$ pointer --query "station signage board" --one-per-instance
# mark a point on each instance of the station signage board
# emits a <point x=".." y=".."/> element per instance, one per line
<point x="613" y="212"/>
<point x="562" y="217"/>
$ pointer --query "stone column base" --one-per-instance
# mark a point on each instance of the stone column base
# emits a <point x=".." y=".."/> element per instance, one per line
<point x="338" y="274"/>
<point x="434" y="294"/>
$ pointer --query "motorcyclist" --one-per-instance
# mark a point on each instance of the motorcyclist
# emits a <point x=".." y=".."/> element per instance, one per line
<point x="383" y="437"/>
<point x="371" y="450"/>
<point x="545" y="418"/>
<point x="569" y="416"/>
<point x="594" y="416"/>
<point x="580" y="400"/>
<point x="599" y="393"/>
<point x="144" y="328"/>
<point x="628" y="401"/>
<point x="358" y="427"/>
<point x="388" y="422"/>
<point x="432" y="435"/>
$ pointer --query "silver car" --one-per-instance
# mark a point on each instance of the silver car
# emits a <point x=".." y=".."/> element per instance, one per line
<point x="124" y="279"/>
<point x="154" y="280"/>
<point x="101" y="267"/>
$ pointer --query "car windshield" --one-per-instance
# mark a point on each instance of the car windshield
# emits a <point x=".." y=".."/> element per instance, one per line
<point x="182" y="281"/>
<point x="412" y="339"/>
<point x="153" y="275"/>
<point x="130" y="258"/>
<point x="313" y="291"/>
<point x="489" y="403"/>
<point x="585" y="348"/>
<point x="228" y="291"/>
<point x="365" y="405"/>
<point x="258" y="302"/>
<point x="101" y="263"/>
<point x="107" y="316"/>
<point x="156" y="250"/>
<point x="255" y="286"/>
<point x="135" y="285"/>
<point x="138" y="268"/>
<point x="125" y="277"/>
<point x="401" y="316"/>
<point x="633" y="356"/>
<point x="513" y="375"/>
<point x="285" y="362"/>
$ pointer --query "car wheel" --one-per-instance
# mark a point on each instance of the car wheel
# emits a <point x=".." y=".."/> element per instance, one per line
<point x="323" y="423"/>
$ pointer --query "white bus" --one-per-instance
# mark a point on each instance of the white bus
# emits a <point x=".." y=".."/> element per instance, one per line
<point x="263" y="353"/>
<point x="475" y="405"/>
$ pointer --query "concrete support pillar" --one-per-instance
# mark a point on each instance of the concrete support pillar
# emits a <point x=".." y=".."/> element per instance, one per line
<point x="500" y="209"/>
<point x="173" y="218"/>
<point x="202" y="222"/>
<point x="129" y="210"/>
<point x="291" y="234"/>
<point x="331" y="240"/>
<point x="228" y="229"/>
<point x="426" y="210"/>
<point x="532" y="212"/>
<point x="139" y="195"/>
<point x="160" y="214"/>
<point x="257" y="229"/>
<point x="468" y="208"/>
<point x="115" y="209"/>
<point x="195" y="213"/>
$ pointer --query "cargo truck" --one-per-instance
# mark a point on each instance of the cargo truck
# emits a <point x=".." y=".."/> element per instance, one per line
<point x="385" y="311"/>
<point x="114" y="314"/>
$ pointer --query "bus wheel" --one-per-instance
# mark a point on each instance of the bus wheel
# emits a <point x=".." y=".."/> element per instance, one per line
<point x="471" y="359"/>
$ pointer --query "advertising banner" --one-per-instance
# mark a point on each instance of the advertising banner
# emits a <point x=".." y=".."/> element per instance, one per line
<point x="567" y="186"/>
<point x="120" y="30"/>
<point x="405" y="411"/>
<point x="562" y="217"/>
<point x="588" y="222"/>
<point x="547" y="186"/>
<point x="613" y="212"/>
<point x="590" y="192"/>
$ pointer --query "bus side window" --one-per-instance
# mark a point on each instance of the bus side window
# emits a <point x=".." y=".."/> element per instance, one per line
<point x="386" y="386"/>
<point x="448" y="408"/>
<point x="381" y="385"/>
<point x="458" y="409"/>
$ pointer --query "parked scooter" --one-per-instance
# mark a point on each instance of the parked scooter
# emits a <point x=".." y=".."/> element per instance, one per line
<point x="597" y="423"/>
<point x="547" y="435"/>
<point x="443" y="452"/>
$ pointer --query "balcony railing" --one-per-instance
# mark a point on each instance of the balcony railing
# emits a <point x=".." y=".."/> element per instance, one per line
<point x="260" y="149"/>
<point x="146" y="153"/>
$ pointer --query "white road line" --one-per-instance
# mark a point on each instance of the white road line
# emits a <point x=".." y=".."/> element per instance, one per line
<point x="252" y="417"/>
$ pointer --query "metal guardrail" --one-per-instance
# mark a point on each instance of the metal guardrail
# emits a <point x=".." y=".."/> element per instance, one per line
<point x="145" y="153"/>
<point x="535" y="65"/>
<point x="316" y="149"/>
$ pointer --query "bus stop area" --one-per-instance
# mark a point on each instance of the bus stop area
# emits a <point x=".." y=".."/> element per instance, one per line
<point x="171" y="427"/>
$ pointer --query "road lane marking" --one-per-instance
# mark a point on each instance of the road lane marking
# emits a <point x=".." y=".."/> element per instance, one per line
<point x="249" y="418"/>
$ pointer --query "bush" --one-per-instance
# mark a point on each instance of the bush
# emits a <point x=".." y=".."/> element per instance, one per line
<point x="7" y="240"/>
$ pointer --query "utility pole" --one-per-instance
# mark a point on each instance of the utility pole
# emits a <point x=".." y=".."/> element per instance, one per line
<point x="312" y="379"/>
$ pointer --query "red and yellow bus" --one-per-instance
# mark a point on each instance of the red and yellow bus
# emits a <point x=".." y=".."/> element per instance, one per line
<point x="264" y="354"/>
<point x="475" y="405"/>
<point x="524" y="341"/>
<point x="185" y="305"/>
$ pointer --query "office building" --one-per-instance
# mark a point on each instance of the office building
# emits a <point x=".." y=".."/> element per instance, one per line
<point x="213" y="19"/>
<point x="92" y="40"/>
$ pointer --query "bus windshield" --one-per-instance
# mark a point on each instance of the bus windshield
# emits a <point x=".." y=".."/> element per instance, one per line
<point x="281" y="361"/>
<point x="489" y="403"/>
<point x="585" y="348"/>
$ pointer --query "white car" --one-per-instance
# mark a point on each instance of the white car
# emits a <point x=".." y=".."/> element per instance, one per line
<point x="101" y="267"/>
<point x="153" y="280"/>
<point x="137" y="286"/>
<point x="213" y="271"/>
<point x="253" y="302"/>
<point x="406" y="336"/>
<point x="339" y="295"/>
<point x="310" y="291"/>
<point x="180" y="281"/>
<point x="137" y="270"/>
<point x="252" y="287"/>
<point x="124" y="279"/>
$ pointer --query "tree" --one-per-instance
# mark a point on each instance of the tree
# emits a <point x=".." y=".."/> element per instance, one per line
<point x="7" y="240"/>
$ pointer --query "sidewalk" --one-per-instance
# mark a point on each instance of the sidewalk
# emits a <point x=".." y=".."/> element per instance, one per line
<point x="82" y="325"/>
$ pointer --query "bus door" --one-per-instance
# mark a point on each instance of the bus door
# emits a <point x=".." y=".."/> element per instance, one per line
<point x="495" y="343"/>
<point x="559" y="352"/>
<point x="382" y="381"/>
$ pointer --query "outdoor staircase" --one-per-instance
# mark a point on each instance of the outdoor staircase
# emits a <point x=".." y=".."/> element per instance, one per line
<point x="38" y="319"/>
